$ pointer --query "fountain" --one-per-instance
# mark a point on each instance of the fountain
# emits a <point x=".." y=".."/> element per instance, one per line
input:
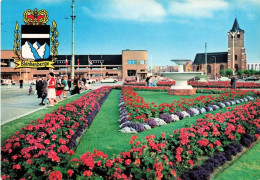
<point x="181" y="86"/>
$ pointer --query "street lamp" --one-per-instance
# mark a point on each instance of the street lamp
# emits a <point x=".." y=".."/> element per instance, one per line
<point x="233" y="34"/>
<point x="215" y="67"/>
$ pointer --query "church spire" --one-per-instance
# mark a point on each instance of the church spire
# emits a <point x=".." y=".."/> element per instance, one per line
<point x="236" y="27"/>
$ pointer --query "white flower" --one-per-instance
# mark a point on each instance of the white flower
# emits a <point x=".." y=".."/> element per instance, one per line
<point x="196" y="111"/>
<point x="215" y="106"/>
<point x="123" y="124"/>
<point x="146" y="126"/>
<point x="203" y="110"/>
<point x="175" y="117"/>
<point x="128" y="130"/>
<point x="159" y="121"/>
<point x="185" y="114"/>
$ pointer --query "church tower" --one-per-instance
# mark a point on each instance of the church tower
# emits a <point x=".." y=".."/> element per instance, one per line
<point x="236" y="45"/>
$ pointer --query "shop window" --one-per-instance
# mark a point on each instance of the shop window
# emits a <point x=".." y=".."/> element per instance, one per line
<point x="131" y="72"/>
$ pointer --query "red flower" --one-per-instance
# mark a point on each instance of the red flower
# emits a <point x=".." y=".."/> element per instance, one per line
<point x="218" y="143"/>
<point x="190" y="162"/>
<point x="128" y="162"/>
<point x="211" y="145"/>
<point x="47" y="141"/>
<point x="55" y="175"/>
<point x="158" y="175"/>
<point x="16" y="166"/>
<point x="43" y="168"/>
<point x="87" y="173"/>
<point x="70" y="172"/>
<point x="178" y="157"/>
<point x="173" y="172"/>
<point x="131" y="142"/>
<point x="190" y="152"/>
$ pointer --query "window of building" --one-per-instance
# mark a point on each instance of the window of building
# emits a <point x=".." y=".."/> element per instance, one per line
<point x="131" y="72"/>
<point x="236" y="57"/>
<point x="238" y="36"/>
<point x="236" y="67"/>
<point x="113" y="68"/>
<point x="209" y="69"/>
<point x="142" y="61"/>
<point x="142" y="70"/>
<point x="44" y="68"/>
<point x="131" y="61"/>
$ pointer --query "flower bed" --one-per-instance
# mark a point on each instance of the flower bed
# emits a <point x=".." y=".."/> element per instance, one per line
<point x="39" y="148"/>
<point x="136" y="115"/>
<point x="134" y="84"/>
<point x="166" y="83"/>
<point x="224" y="84"/>
<point x="173" y="156"/>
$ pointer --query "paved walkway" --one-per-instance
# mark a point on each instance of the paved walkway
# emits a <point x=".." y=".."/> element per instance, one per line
<point x="16" y="102"/>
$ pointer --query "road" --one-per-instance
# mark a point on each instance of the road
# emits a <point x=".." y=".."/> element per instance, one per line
<point x="16" y="102"/>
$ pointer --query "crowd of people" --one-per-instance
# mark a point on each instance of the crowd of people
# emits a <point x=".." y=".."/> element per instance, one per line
<point x="151" y="81"/>
<point x="48" y="89"/>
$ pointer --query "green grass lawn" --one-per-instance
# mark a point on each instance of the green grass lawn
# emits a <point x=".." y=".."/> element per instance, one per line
<point x="104" y="135"/>
<point x="244" y="168"/>
<point x="164" y="97"/>
<point x="8" y="129"/>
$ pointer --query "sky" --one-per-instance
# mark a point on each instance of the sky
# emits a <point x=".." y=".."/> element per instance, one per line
<point x="167" y="29"/>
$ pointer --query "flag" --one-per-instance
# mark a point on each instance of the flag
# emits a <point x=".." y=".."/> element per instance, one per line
<point x="89" y="62"/>
<point x="66" y="61"/>
<point x="78" y="63"/>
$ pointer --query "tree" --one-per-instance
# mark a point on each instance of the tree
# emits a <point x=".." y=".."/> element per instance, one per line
<point x="252" y="71"/>
<point x="247" y="72"/>
<point x="240" y="72"/>
<point x="222" y="72"/>
<point x="228" y="72"/>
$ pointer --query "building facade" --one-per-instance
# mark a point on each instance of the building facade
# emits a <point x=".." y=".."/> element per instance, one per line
<point x="130" y="63"/>
<point x="254" y="66"/>
<point x="218" y="61"/>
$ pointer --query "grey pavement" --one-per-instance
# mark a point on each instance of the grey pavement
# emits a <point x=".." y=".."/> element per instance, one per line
<point x="16" y="102"/>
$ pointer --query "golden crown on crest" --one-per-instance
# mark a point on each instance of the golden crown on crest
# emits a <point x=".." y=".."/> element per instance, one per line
<point x="35" y="17"/>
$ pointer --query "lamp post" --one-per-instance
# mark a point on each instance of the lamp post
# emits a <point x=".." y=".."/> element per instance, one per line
<point x="233" y="34"/>
<point x="215" y="67"/>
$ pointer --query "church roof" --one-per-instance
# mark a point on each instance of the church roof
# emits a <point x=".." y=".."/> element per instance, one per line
<point x="236" y="27"/>
<point x="221" y="57"/>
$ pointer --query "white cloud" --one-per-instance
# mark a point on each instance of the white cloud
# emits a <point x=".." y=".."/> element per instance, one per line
<point x="196" y="8"/>
<point x="135" y="10"/>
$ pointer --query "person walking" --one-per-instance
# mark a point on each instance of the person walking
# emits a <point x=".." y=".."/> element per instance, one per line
<point x="38" y="88"/>
<point x="9" y="83"/>
<point x="65" y="85"/>
<point x="147" y="81"/>
<point x="155" y="82"/>
<point x="233" y="82"/>
<point x="69" y="83"/>
<point x="150" y="82"/>
<point x="44" y="91"/>
<point x="30" y="90"/>
<point x="21" y="83"/>
<point x="51" y="88"/>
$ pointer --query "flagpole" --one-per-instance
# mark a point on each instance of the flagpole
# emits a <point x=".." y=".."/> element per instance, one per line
<point x="88" y="68"/>
<point x="66" y="66"/>
<point x="101" y="67"/>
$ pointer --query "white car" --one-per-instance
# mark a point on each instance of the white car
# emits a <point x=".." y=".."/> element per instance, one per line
<point x="91" y="81"/>
<point x="108" y="80"/>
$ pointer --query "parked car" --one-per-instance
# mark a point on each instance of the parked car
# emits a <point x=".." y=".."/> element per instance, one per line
<point x="108" y="80"/>
<point x="33" y="82"/>
<point x="5" y="81"/>
<point x="251" y="79"/>
<point x="90" y="81"/>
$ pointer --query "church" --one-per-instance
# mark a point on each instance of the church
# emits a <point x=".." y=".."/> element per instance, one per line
<point x="234" y="58"/>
